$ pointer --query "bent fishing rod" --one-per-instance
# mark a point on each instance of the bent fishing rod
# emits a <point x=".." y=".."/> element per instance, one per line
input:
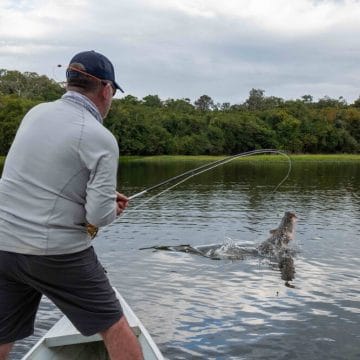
<point x="93" y="230"/>
<point x="203" y="168"/>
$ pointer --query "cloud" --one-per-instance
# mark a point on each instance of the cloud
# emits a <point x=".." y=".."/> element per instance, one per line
<point x="37" y="19"/>
<point x="279" y="16"/>
<point x="187" y="48"/>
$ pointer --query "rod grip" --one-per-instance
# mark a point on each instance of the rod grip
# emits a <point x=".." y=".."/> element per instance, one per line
<point x="137" y="194"/>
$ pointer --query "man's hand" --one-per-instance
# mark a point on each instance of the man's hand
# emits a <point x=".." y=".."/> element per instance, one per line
<point x="121" y="203"/>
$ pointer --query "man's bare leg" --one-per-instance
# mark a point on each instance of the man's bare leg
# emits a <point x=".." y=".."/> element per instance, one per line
<point x="4" y="350"/>
<point x="121" y="343"/>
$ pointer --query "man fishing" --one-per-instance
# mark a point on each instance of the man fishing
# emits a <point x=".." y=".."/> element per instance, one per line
<point x="60" y="177"/>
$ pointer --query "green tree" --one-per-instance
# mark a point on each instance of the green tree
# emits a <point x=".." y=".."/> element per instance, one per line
<point x="256" y="100"/>
<point x="351" y="120"/>
<point x="152" y="101"/>
<point x="176" y="126"/>
<point x="357" y="103"/>
<point x="12" y="110"/>
<point x="328" y="102"/>
<point x="179" y="105"/>
<point x="288" y="133"/>
<point x="225" y="106"/>
<point x="29" y="85"/>
<point x="307" y="99"/>
<point x="204" y="103"/>
<point x="128" y="100"/>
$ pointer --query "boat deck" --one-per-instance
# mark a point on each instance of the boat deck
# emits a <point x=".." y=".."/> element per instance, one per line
<point x="64" y="342"/>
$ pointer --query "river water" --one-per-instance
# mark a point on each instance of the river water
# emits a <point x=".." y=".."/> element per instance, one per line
<point x="197" y="308"/>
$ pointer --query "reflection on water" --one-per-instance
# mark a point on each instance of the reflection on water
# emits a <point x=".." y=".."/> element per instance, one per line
<point x="202" y="309"/>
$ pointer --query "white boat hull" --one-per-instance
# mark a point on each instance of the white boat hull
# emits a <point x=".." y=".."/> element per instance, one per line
<point x="64" y="342"/>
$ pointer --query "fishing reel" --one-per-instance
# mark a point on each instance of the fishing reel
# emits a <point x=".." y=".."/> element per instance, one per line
<point x="92" y="230"/>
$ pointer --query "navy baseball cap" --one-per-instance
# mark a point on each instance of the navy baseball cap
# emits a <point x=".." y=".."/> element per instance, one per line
<point x="94" y="64"/>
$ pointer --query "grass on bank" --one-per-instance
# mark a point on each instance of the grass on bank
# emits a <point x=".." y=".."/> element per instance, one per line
<point x="265" y="157"/>
<point x="268" y="157"/>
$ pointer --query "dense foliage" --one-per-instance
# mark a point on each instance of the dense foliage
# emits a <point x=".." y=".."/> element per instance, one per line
<point x="151" y="126"/>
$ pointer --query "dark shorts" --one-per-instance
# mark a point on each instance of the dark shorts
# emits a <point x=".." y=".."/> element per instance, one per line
<point x="76" y="283"/>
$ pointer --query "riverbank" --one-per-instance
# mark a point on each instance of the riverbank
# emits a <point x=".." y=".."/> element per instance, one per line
<point x="262" y="158"/>
<point x="269" y="157"/>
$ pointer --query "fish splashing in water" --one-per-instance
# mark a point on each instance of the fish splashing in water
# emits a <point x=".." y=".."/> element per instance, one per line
<point x="276" y="248"/>
<point x="280" y="237"/>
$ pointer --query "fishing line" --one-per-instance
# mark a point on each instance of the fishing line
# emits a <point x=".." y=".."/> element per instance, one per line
<point x="200" y="170"/>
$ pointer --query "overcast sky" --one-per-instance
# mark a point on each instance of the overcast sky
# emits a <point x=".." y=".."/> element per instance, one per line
<point x="187" y="48"/>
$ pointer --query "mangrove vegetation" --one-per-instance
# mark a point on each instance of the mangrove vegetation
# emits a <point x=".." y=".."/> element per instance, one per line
<point x="153" y="126"/>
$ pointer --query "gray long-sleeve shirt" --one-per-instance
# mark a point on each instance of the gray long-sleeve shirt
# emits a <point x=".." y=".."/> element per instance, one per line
<point x="59" y="175"/>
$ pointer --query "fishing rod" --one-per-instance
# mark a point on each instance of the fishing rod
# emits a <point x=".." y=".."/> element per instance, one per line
<point x="201" y="169"/>
<point x="93" y="230"/>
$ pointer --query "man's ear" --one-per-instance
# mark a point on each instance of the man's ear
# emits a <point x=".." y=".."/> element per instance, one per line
<point x="103" y="91"/>
<point x="108" y="91"/>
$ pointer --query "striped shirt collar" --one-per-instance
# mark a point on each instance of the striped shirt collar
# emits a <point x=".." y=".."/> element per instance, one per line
<point x="84" y="101"/>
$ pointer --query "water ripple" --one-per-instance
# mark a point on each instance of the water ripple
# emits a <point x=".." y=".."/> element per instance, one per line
<point x="197" y="308"/>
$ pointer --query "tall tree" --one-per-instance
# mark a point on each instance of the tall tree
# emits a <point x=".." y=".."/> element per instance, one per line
<point x="308" y="99"/>
<point x="29" y="85"/>
<point x="357" y="102"/>
<point x="204" y="103"/>
<point x="152" y="100"/>
<point x="256" y="99"/>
